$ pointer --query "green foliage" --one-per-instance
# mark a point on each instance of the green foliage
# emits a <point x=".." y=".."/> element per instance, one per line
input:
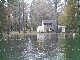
<point x="68" y="18"/>
<point x="41" y="10"/>
<point x="13" y="1"/>
<point x="2" y="16"/>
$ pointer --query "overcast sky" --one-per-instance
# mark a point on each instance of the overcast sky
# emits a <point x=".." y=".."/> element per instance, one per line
<point x="28" y="1"/>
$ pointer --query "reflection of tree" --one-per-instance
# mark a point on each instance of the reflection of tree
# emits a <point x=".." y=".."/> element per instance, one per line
<point x="27" y="47"/>
<point x="48" y="46"/>
<point x="67" y="45"/>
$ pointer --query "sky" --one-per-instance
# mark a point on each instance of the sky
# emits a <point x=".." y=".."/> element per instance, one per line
<point x="62" y="0"/>
<point x="31" y="1"/>
<point x="27" y="1"/>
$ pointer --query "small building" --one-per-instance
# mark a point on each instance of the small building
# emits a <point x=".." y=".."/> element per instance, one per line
<point x="61" y="28"/>
<point x="47" y="26"/>
<point x="50" y="25"/>
<point x="40" y="29"/>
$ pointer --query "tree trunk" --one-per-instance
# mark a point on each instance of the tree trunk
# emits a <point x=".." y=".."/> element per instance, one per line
<point x="1" y="35"/>
<point x="56" y="15"/>
<point x="26" y="24"/>
<point x="19" y="19"/>
<point x="30" y="30"/>
<point x="23" y="18"/>
<point x="8" y="30"/>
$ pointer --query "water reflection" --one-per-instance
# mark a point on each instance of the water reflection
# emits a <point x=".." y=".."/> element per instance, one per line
<point x="39" y="47"/>
<point x="47" y="37"/>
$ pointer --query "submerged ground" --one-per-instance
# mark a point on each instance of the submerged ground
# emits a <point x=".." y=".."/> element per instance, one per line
<point x="40" y="47"/>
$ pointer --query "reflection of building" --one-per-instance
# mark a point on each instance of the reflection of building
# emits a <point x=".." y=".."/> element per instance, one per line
<point x="49" y="25"/>
<point x="61" y="36"/>
<point x="50" y="37"/>
<point x="41" y="37"/>
<point x="47" y="37"/>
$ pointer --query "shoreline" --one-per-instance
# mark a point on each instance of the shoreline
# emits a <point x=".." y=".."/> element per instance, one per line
<point x="32" y="33"/>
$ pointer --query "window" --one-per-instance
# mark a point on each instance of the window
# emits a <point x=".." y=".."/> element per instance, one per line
<point x="50" y="23"/>
<point x="44" y="23"/>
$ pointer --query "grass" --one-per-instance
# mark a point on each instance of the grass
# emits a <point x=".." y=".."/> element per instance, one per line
<point x="28" y="33"/>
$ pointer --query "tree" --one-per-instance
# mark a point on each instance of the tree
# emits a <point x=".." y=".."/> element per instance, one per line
<point x="3" y="16"/>
<point x="68" y="18"/>
<point x="7" y="8"/>
<point x="19" y="13"/>
<point x="42" y="10"/>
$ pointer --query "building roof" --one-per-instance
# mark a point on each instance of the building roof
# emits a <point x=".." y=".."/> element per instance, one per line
<point x="48" y="21"/>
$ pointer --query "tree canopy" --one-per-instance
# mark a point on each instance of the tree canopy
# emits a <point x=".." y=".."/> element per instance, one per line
<point x="68" y="17"/>
<point x="19" y="14"/>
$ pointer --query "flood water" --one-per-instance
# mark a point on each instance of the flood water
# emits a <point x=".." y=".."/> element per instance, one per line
<point x="40" y="47"/>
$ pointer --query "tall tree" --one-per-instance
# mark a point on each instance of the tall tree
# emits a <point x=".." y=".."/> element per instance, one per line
<point x="42" y="10"/>
<point x="68" y="17"/>
<point x="3" y="15"/>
